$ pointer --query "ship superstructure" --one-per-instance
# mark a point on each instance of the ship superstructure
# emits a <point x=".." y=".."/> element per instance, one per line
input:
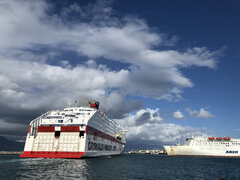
<point x="203" y="146"/>
<point x="75" y="132"/>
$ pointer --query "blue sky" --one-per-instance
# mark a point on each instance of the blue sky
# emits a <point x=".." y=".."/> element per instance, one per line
<point x="213" y="24"/>
<point x="164" y="70"/>
<point x="202" y="23"/>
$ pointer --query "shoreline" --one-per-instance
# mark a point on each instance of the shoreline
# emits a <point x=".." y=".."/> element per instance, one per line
<point x="10" y="152"/>
<point x="146" y="152"/>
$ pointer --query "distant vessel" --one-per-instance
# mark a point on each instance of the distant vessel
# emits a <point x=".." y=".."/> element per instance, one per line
<point x="75" y="132"/>
<point x="202" y="146"/>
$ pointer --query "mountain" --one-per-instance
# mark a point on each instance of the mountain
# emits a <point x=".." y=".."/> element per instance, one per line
<point x="9" y="145"/>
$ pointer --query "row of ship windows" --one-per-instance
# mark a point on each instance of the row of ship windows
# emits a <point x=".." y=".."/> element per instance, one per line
<point x="100" y="125"/>
<point x="82" y="113"/>
<point x="67" y="115"/>
<point x="79" y="110"/>
<point x="61" y="121"/>
<point x="227" y="144"/>
<point x="54" y="117"/>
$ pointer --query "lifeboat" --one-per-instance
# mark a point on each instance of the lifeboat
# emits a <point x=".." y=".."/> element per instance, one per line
<point x="227" y="138"/>
<point x="219" y="138"/>
<point x="211" y="138"/>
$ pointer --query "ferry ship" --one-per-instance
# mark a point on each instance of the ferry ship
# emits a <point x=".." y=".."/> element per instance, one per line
<point x="75" y="132"/>
<point x="206" y="146"/>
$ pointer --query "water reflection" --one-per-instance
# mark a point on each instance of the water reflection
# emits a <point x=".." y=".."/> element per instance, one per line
<point x="55" y="169"/>
<point x="121" y="167"/>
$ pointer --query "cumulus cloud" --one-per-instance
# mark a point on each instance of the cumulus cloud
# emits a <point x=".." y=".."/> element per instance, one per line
<point x="32" y="85"/>
<point x="202" y="113"/>
<point x="33" y="79"/>
<point x="178" y="115"/>
<point x="147" y="124"/>
<point x="153" y="73"/>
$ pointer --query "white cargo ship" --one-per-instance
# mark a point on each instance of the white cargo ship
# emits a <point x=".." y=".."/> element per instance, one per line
<point x="75" y="132"/>
<point x="203" y="146"/>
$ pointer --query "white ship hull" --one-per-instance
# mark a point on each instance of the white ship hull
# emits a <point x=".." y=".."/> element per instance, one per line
<point x="192" y="151"/>
<point x="203" y="147"/>
<point x="93" y="135"/>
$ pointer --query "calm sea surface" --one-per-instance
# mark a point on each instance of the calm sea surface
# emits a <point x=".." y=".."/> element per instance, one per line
<point x="120" y="167"/>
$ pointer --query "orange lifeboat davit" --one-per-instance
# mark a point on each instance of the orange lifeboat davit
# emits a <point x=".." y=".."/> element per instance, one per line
<point x="211" y="138"/>
<point x="227" y="138"/>
<point x="219" y="138"/>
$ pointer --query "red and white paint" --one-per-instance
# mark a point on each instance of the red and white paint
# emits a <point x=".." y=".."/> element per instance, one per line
<point x="75" y="132"/>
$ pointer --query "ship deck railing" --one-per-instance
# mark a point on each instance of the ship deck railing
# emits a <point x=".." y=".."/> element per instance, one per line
<point x="36" y="122"/>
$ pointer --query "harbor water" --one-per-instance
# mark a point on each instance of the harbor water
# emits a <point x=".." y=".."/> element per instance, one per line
<point x="126" y="166"/>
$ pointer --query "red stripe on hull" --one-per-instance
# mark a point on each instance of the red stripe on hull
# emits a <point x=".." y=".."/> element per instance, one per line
<point x="96" y="132"/>
<point x="45" y="154"/>
<point x="46" y="129"/>
<point x="63" y="128"/>
<point x="69" y="128"/>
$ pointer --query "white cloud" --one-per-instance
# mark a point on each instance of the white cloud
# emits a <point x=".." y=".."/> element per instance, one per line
<point x="32" y="85"/>
<point x="147" y="124"/>
<point x="91" y="63"/>
<point x="178" y="115"/>
<point x="65" y="64"/>
<point x="35" y="86"/>
<point x="29" y="80"/>
<point x="153" y="73"/>
<point x="202" y="113"/>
